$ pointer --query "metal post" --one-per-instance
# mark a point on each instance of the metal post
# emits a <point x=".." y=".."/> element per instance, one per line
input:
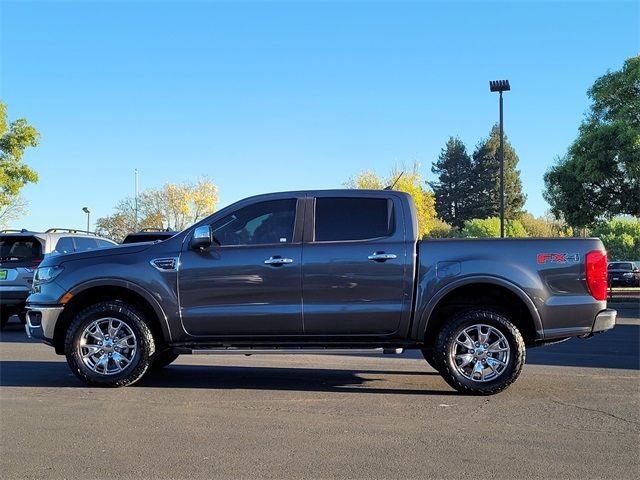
<point x="501" y="172"/>
<point x="136" y="201"/>
<point x="88" y="214"/>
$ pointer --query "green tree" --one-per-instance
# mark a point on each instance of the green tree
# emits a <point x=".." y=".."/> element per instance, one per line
<point x="485" y="191"/>
<point x="490" y="228"/>
<point x="174" y="206"/>
<point x="15" y="138"/>
<point x="599" y="177"/>
<point x="410" y="182"/>
<point x="621" y="238"/>
<point x="454" y="184"/>
<point x="545" y="226"/>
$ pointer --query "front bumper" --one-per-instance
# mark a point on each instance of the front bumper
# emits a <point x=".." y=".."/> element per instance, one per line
<point x="41" y="321"/>
<point x="604" y="321"/>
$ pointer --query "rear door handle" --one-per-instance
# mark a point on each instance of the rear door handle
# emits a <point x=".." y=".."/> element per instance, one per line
<point x="382" y="257"/>
<point x="278" y="261"/>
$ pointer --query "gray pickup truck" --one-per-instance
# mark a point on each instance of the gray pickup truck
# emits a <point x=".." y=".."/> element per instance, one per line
<point x="319" y="272"/>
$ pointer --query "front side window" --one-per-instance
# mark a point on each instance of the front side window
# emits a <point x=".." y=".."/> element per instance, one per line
<point x="339" y="219"/>
<point x="260" y="223"/>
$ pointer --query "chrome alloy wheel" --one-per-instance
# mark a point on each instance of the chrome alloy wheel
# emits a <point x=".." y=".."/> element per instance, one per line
<point x="480" y="353"/>
<point x="107" y="346"/>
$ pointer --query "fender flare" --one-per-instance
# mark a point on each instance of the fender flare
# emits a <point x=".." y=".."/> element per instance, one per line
<point x="427" y="311"/>
<point x="134" y="287"/>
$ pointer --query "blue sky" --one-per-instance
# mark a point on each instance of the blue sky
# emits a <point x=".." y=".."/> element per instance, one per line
<point x="264" y="96"/>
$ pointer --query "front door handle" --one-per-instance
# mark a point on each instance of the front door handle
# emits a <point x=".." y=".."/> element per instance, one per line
<point x="382" y="257"/>
<point x="278" y="261"/>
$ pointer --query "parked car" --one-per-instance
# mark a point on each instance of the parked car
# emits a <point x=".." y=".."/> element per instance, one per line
<point x="320" y="272"/>
<point x="623" y="274"/>
<point x="21" y="251"/>
<point x="148" y="235"/>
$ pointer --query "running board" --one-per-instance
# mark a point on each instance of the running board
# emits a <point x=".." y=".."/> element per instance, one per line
<point x="288" y="351"/>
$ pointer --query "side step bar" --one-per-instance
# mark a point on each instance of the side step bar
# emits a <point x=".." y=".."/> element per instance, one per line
<point x="303" y="351"/>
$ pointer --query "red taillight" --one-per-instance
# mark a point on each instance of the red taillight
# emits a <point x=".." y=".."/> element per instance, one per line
<point x="596" y="264"/>
<point x="34" y="264"/>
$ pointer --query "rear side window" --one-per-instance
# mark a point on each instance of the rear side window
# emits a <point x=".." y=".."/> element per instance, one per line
<point x="65" y="245"/>
<point x="19" y="249"/>
<point x="83" y="243"/>
<point x="353" y="218"/>
<point x="103" y="243"/>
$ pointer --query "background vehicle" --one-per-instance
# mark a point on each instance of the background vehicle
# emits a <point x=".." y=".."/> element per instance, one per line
<point x="148" y="235"/>
<point x="623" y="274"/>
<point x="21" y="251"/>
<point x="320" y="272"/>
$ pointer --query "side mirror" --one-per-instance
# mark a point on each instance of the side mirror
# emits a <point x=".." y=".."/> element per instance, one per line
<point x="202" y="237"/>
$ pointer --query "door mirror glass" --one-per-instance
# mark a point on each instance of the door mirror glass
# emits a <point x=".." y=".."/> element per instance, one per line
<point x="202" y="237"/>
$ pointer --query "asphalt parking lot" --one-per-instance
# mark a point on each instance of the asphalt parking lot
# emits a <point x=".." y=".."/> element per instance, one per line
<point x="574" y="413"/>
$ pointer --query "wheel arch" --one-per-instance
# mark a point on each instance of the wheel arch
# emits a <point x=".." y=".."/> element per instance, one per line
<point x="481" y="291"/>
<point x="112" y="289"/>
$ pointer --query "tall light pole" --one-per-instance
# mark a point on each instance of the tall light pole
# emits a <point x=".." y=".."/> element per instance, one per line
<point x="136" y="200"/>
<point x="87" y="210"/>
<point x="501" y="86"/>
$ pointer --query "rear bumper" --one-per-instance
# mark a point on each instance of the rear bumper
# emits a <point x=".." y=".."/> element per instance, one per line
<point x="604" y="321"/>
<point x="41" y="322"/>
<point x="13" y="296"/>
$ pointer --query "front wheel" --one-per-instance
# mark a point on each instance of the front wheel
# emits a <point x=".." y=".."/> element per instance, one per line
<point x="164" y="359"/>
<point x="480" y="352"/>
<point x="109" y="345"/>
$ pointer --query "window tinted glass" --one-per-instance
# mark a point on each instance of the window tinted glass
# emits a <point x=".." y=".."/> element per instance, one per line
<point x="103" y="243"/>
<point x="83" y="243"/>
<point x="353" y="218"/>
<point x="265" y="222"/>
<point x="64" y="245"/>
<point x="19" y="249"/>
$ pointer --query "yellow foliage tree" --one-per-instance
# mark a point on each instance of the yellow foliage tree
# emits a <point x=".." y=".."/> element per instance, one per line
<point x="408" y="180"/>
<point x="174" y="206"/>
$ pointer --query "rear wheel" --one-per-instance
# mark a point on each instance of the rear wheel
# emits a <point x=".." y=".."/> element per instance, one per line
<point x="429" y="356"/>
<point x="480" y="352"/>
<point x="5" y="314"/>
<point x="109" y="345"/>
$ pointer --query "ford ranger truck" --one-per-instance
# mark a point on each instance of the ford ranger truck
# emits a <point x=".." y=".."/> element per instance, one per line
<point x="319" y="272"/>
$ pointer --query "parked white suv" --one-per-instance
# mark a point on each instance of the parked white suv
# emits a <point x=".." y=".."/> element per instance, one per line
<point x="21" y="251"/>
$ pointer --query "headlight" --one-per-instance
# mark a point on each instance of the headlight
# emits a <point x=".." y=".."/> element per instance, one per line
<point x="47" y="274"/>
<point x="627" y="274"/>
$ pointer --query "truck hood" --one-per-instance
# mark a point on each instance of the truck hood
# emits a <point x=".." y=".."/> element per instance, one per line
<point x="58" y="259"/>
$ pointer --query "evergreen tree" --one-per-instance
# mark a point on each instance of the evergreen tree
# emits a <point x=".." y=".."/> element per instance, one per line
<point x="453" y="186"/>
<point x="485" y="194"/>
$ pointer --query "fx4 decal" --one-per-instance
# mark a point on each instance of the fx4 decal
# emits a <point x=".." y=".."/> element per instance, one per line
<point x="558" y="258"/>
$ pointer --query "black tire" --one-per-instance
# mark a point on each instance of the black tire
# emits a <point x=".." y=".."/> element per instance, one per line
<point x="5" y="314"/>
<point x="164" y="359"/>
<point x="429" y="356"/>
<point x="453" y="329"/>
<point x="144" y="342"/>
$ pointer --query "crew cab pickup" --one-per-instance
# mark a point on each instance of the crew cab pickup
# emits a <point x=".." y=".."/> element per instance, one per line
<point x="319" y="272"/>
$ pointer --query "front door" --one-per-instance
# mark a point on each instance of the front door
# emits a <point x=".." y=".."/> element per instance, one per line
<point x="251" y="283"/>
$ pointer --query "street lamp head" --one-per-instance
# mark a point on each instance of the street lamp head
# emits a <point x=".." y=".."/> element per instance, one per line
<point x="86" y="209"/>
<point x="499" y="85"/>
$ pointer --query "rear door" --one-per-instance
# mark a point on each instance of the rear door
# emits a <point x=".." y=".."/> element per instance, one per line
<point x="354" y="266"/>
